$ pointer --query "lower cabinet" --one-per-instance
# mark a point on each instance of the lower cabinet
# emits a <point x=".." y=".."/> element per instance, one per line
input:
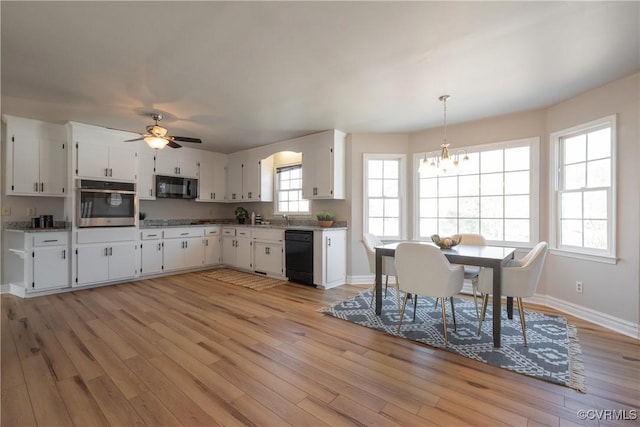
<point x="212" y="246"/>
<point x="268" y="252"/>
<point x="183" y="248"/>
<point x="330" y="258"/>
<point x="105" y="256"/>
<point x="151" y="252"/>
<point x="236" y="248"/>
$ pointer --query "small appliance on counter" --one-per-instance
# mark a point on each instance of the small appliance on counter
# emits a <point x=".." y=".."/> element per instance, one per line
<point x="42" y="221"/>
<point x="258" y="219"/>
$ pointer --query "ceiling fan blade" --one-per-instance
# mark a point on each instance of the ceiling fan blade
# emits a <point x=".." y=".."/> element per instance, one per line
<point x="135" y="139"/>
<point x="173" y="144"/>
<point x="187" y="139"/>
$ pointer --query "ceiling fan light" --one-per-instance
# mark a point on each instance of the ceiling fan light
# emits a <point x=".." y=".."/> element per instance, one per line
<point x="155" y="142"/>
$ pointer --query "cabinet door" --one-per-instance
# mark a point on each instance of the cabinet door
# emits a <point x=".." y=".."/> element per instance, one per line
<point x="26" y="158"/>
<point x="212" y="250"/>
<point x="146" y="170"/>
<point x="53" y="166"/>
<point x="92" y="159"/>
<point x="173" y="254"/>
<point x="122" y="260"/>
<point x="267" y="258"/>
<point x="188" y="160"/>
<point x="151" y="257"/>
<point x="193" y="252"/>
<point x="50" y="267"/>
<point x="166" y="162"/>
<point x="219" y="187"/>
<point x="122" y="161"/>
<point x="251" y="180"/>
<point x="205" y="177"/>
<point x="335" y="262"/>
<point x="244" y="253"/>
<point x="92" y="264"/>
<point x="229" y="251"/>
<point x="234" y="178"/>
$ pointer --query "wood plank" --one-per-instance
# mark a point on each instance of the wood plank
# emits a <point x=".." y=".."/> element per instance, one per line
<point x="82" y="407"/>
<point x="16" y="407"/>
<point x="152" y="411"/>
<point x="113" y="403"/>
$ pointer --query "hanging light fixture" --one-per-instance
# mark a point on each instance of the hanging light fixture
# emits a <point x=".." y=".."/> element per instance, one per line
<point x="443" y="162"/>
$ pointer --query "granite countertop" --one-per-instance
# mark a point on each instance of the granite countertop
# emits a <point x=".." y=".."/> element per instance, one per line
<point x="25" y="227"/>
<point x="303" y="225"/>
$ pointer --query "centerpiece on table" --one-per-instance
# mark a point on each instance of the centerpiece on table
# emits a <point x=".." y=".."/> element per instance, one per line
<point x="446" y="242"/>
<point x="325" y="218"/>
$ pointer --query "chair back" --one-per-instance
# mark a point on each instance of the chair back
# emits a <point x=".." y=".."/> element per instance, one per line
<point x="472" y="239"/>
<point x="423" y="269"/>
<point x="370" y="242"/>
<point x="522" y="281"/>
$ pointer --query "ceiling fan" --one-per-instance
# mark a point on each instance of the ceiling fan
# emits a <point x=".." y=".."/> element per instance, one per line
<point x="156" y="136"/>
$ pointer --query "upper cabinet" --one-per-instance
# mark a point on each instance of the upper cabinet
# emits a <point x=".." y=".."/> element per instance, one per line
<point x="146" y="172"/>
<point x="323" y="165"/>
<point x="178" y="162"/>
<point x="249" y="178"/>
<point x="102" y="153"/>
<point x="212" y="177"/>
<point x="36" y="158"/>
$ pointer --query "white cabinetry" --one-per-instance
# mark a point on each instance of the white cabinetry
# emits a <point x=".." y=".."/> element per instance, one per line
<point x="178" y="162"/>
<point x="323" y="165"/>
<point x="38" y="261"/>
<point x="249" y="179"/>
<point x="212" y="246"/>
<point x="151" y="252"/>
<point x="234" y="176"/>
<point x="236" y="248"/>
<point x="268" y="252"/>
<point x="36" y="158"/>
<point x="102" y="153"/>
<point x="146" y="172"/>
<point x="212" y="177"/>
<point x="183" y="248"/>
<point x="330" y="258"/>
<point x="105" y="255"/>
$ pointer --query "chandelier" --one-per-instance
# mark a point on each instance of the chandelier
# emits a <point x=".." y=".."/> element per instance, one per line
<point x="443" y="162"/>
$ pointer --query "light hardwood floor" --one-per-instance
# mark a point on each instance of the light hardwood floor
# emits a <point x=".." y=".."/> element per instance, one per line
<point x="187" y="350"/>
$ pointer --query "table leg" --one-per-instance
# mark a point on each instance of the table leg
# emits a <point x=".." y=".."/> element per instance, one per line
<point x="510" y="307"/>
<point x="378" y="284"/>
<point x="497" y="296"/>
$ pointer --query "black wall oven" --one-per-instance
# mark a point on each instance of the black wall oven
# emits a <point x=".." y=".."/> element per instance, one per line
<point x="106" y="203"/>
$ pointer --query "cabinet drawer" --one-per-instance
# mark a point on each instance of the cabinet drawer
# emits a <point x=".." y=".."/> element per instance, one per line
<point x="228" y="231"/>
<point x="268" y="235"/>
<point x="151" y="234"/>
<point x="244" y="232"/>
<point x="179" y="233"/>
<point x="212" y="231"/>
<point x="50" y="239"/>
<point x="106" y="234"/>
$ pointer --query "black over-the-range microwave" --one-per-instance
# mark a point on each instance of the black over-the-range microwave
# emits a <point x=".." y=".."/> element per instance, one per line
<point x="175" y="187"/>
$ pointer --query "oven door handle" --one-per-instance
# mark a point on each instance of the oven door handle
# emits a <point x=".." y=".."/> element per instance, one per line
<point x="87" y="190"/>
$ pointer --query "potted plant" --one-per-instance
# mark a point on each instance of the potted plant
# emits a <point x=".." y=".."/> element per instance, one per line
<point x="325" y="218"/>
<point x="241" y="214"/>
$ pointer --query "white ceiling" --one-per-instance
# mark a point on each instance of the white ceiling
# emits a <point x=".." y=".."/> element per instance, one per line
<point x="243" y="74"/>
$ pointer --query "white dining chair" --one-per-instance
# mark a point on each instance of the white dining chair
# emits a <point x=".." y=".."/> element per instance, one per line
<point x="519" y="280"/>
<point x="424" y="270"/>
<point x="472" y="272"/>
<point x="388" y="267"/>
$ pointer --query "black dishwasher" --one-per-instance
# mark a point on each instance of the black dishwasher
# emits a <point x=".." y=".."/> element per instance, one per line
<point x="299" y="255"/>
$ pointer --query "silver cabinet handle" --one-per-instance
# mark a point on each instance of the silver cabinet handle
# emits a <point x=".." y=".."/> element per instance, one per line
<point x="110" y="251"/>
<point x="50" y="240"/>
<point x="186" y="245"/>
<point x="64" y="254"/>
<point x="150" y="192"/>
<point x="42" y="187"/>
<point x="329" y="241"/>
<point x="184" y="234"/>
<point x="106" y="251"/>
<point x="110" y="172"/>
<point x="35" y="187"/>
<point x="159" y="246"/>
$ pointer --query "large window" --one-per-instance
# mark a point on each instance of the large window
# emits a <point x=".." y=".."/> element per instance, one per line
<point x="493" y="194"/>
<point x="584" y="188"/>
<point x="384" y="189"/>
<point x="289" y="191"/>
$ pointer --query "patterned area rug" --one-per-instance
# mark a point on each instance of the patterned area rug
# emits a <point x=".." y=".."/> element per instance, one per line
<point x="240" y="278"/>
<point x="553" y="353"/>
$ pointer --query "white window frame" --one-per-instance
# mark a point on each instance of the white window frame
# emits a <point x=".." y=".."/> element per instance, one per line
<point x="605" y="256"/>
<point x="402" y="191"/>
<point x="534" y="184"/>
<point x="276" y="197"/>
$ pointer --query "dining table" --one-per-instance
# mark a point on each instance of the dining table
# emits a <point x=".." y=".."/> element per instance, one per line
<point x="488" y="256"/>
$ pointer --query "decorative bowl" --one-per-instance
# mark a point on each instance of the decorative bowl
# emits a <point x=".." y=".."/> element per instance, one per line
<point x="446" y="242"/>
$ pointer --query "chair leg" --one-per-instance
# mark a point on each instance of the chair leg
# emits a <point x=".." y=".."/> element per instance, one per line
<point x="415" y="306"/>
<point x="453" y="312"/>
<point x="398" y="292"/>
<point x="474" y="287"/>
<point x="485" y="300"/>
<point x="435" y="306"/>
<point x="522" y="322"/>
<point x="444" y="323"/>
<point x="404" y="305"/>
<point x="386" y="285"/>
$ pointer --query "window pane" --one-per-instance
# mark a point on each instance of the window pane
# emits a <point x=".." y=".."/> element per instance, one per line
<point x="391" y="227"/>
<point x="516" y="159"/>
<point x="472" y="166"/>
<point x="595" y="234"/>
<point x="469" y="207"/>
<point x="599" y="144"/>
<point x="469" y="226"/>
<point x="516" y="183"/>
<point x="575" y="149"/>
<point x="429" y="187"/>
<point x="448" y="208"/>
<point x="491" y="161"/>
<point x="304" y="205"/>
<point x="392" y="208"/>
<point x="284" y="184"/>
<point x="447" y="227"/>
<point x="599" y="173"/>
<point x="491" y="184"/>
<point x="283" y="206"/>
<point x="469" y="185"/>
<point x="448" y="186"/>
<point x="295" y="173"/>
<point x="391" y="169"/>
<point x="571" y="232"/>
<point x="516" y="207"/>
<point x="428" y="227"/>
<point x="293" y="206"/>
<point x="571" y="206"/>
<point x="491" y="207"/>
<point x="376" y="207"/>
<point x="595" y="205"/>
<point x="428" y="208"/>
<point x="574" y="176"/>
<point x="491" y="229"/>
<point x="516" y="230"/>
<point x="390" y="188"/>
<point x="285" y="175"/>
<point x="375" y="188"/>
<point x="374" y="169"/>
<point x="376" y="226"/>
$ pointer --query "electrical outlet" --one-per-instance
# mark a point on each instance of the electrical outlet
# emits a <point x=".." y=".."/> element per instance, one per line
<point x="579" y="287"/>
<point x="31" y="211"/>
<point x="6" y="211"/>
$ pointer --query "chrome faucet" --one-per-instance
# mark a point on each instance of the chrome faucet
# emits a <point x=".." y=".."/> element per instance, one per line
<point x="285" y="217"/>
